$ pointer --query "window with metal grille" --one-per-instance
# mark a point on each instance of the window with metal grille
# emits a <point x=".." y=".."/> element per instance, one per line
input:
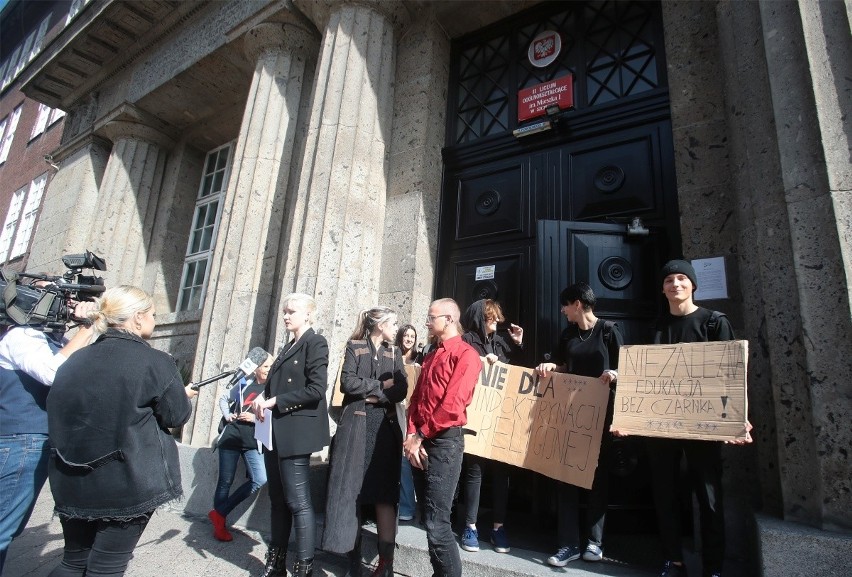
<point x="205" y="225"/>
<point x="610" y="47"/>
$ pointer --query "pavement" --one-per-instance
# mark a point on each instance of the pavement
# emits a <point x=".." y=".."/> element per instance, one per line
<point x="179" y="544"/>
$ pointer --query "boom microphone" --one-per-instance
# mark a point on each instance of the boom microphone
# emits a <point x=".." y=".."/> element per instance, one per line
<point x="256" y="357"/>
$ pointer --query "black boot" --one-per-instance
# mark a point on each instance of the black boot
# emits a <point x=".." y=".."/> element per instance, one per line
<point x="385" y="565"/>
<point x="303" y="568"/>
<point x="354" y="557"/>
<point x="276" y="563"/>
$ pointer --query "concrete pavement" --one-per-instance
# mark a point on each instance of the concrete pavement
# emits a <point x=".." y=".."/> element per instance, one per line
<point x="177" y="544"/>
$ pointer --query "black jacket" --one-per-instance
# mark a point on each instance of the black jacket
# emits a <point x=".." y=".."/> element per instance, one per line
<point x="298" y="380"/>
<point x="109" y="411"/>
<point x="499" y="342"/>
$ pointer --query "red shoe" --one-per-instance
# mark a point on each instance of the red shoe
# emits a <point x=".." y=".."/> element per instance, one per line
<point x="219" y="530"/>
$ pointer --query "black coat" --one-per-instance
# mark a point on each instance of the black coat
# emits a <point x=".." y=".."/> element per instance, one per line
<point x="360" y="378"/>
<point x="109" y="411"/>
<point x="298" y="380"/>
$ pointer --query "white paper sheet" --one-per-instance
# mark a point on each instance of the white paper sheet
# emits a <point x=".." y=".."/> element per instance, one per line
<point x="263" y="429"/>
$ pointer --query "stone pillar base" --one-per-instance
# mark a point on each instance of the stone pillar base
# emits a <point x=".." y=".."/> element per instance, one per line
<point x="788" y="549"/>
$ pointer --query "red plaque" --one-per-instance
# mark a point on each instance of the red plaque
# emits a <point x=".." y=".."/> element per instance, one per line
<point x="534" y="101"/>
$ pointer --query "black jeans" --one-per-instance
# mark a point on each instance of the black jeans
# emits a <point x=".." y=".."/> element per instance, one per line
<point x="289" y="481"/>
<point x="441" y="477"/>
<point x="704" y="463"/>
<point x="499" y="473"/>
<point x="98" y="548"/>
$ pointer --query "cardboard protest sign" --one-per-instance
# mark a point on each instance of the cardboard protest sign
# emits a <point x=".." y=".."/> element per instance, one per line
<point x="685" y="391"/>
<point x="552" y="426"/>
<point x="411" y="371"/>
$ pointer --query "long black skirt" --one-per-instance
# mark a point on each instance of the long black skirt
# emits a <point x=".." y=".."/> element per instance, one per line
<point x="382" y="455"/>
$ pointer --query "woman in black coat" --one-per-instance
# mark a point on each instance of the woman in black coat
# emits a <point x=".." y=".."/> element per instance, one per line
<point x="113" y="459"/>
<point x="367" y="448"/>
<point x="295" y="393"/>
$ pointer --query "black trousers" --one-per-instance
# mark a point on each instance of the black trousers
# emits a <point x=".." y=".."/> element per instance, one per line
<point x="98" y="548"/>
<point x="289" y="481"/>
<point x="499" y="472"/>
<point x="704" y="464"/>
<point x="568" y="512"/>
<point x="440" y="479"/>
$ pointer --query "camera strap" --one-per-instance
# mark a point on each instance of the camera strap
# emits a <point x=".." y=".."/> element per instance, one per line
<point x="38" y="312"/>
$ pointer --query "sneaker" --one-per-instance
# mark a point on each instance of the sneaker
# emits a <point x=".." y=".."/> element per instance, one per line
<point x="499" y="540"/>
<point x="406" y="517"/>
<point x="592" y="553"/>
<point x="672" y="570"/>
<point x="564" y="556"/>
<point x="470" y="540"/>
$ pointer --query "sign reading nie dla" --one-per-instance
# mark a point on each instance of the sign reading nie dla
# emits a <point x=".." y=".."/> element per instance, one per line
<point x="552" y="426"/>
<point x="686" y="391"/>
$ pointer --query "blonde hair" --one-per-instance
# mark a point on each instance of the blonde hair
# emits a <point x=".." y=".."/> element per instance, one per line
<point x="117" y="305"/>
<point x="306" y="300"/>
<point x="368" y="319"/>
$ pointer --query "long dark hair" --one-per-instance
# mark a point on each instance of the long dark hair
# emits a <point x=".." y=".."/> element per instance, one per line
<point x="401" y="333"/>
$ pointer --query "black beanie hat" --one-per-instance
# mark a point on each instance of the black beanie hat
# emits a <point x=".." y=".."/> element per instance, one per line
<point x="679" y="267"/>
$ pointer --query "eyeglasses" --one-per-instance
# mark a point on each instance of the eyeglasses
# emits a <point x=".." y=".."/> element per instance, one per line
<point x="432" y="318"/>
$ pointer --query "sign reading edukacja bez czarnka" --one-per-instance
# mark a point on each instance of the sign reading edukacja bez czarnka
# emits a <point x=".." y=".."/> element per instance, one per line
<point x="686" y="391"/>
<point x="552" y="426"/>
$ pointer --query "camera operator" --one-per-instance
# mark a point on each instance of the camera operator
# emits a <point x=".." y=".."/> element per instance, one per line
<point x="29" y="359"/>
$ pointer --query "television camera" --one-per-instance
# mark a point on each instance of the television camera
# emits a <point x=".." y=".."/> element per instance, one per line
<point x="42" y="301"/>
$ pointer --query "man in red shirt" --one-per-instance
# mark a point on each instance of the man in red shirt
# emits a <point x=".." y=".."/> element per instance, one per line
<point x="436" y="414"/>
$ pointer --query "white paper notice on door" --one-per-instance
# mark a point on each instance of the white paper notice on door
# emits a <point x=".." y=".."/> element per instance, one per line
<point x="485" y="272"/>
<point x="711" y="278"/>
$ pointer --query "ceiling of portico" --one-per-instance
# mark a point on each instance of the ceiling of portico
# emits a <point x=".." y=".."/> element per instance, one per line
<point x="462" y="17"/>
<point x="204" y="103"/>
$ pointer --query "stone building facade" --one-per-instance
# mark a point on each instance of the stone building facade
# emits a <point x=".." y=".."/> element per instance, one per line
<point x="327" y="126"/>
<point x="29" y="130"/>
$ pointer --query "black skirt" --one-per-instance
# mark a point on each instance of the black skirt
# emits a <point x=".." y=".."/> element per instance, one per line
<point x="382" y="457"/>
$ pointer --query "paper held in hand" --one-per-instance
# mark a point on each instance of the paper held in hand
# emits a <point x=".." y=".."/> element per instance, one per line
<point x="685" y="391"/>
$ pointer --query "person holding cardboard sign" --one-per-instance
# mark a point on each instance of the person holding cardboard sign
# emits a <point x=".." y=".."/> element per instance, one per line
<point x="480" y="322"/>
<point x="588" y="347"/>
<point x="686" y="322"/>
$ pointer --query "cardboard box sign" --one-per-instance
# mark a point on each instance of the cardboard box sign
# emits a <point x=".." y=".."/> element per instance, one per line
<point x="685" y="391"/>
<point x="552" y="426"/>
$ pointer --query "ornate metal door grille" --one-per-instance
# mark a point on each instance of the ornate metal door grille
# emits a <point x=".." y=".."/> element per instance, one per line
<point x="613" y="49"/>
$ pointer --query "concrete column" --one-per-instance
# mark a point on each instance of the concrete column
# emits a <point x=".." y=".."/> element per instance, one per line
<point x="819" y="236"/>
<point x="125" y="211"/>
<point x="237" y="307"/>
<point x="414" y="188"/>
<point x="335" y="243"/>
<point x="69" y="208"/>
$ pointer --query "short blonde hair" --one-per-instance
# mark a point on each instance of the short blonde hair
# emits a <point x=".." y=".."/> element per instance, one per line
<point x="117" y="305"/>
<point x="305" y="300"/>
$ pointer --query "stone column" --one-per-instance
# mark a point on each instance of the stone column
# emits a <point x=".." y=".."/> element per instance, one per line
<point x="125" y="211"/>
<point x="798" y="59"/>
<point x="414" y="188"/>
<point x="69" y="209"/>
<point x="335" y="243"/>
<point x="237" y="307"/>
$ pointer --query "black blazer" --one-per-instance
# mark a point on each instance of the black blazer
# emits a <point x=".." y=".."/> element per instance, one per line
<point x="298" y="380"/>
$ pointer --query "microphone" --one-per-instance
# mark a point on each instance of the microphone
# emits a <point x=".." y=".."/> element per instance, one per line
<point x="199" y="384"/>
<point x="256" y="357"/>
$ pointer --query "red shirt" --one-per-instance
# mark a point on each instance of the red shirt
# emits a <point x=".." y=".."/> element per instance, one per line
<point x="444" y="389"/>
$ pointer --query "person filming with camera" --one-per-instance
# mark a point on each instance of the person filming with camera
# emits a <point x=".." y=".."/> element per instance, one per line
<point x="29" y="359"/>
